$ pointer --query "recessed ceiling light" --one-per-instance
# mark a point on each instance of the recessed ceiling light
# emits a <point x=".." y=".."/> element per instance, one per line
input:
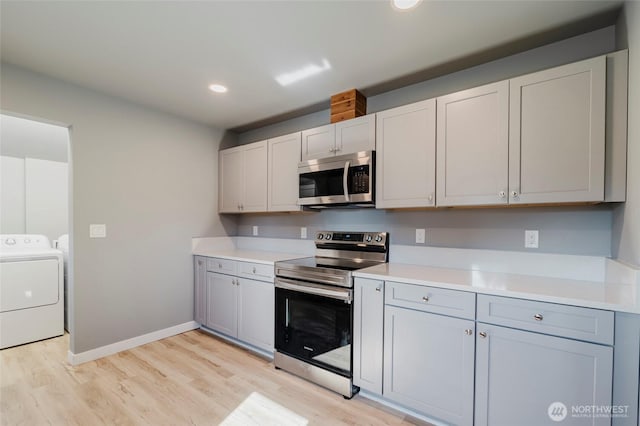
<point x="302" y="73"/>
<point x="218" y="88"/>
<point x="405" y="4"/>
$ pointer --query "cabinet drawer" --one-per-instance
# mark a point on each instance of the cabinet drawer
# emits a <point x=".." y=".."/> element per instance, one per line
<point x="431" y="299"/>
<point x="593" y="325"/>
<point x="224" y="266"/>
<point x="257" y="271"/>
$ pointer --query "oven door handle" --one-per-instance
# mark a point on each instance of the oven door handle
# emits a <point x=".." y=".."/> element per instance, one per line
<point x="345" y="180"/>
<point x="316" y="289"/>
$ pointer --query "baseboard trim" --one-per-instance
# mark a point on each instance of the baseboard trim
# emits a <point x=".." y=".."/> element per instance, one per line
<point x="123" y="345"/>
<point x="400" y="408"/>
<point x="236" y="342"/>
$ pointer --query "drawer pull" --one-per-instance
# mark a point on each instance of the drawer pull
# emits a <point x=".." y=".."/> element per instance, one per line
<point x="199" y="262"/>
<point x="378" y="288"/>
<point x="538" y="317"/>
<point x="483" y="334"/>
<point x="254" y="270"/>
<point x="220" y="265"/>
<point x="425" y="298"/>
<point x="468" y="332"/>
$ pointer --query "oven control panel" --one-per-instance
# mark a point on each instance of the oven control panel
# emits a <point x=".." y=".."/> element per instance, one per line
<point x="352" y="238"/>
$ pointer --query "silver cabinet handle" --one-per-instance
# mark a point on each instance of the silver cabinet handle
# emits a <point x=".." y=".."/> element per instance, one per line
<point x="430" y="198"/>
<point x="502" y="194"/>
<point x="200" y="262"/>
<point x="337" y="149"/>
<point x="514" y="194"/>
<point x="345" y="180"/>
<point x="483" y="334"/>
<point x="332" y="150"/>
<point x="378" y="288"/>
<point x="468" y="332"/>
<point x="220" y="265"/>
<point x="538" y="317"/>
<point x="425" y="298"/>
<point x="254" y="270"/>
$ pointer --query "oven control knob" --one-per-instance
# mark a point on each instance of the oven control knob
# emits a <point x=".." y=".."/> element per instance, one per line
<point x="328" y="236"/>
<point x="320" y="236"/>
<point x="378" y="238"/>
<point x="368" y="238"/>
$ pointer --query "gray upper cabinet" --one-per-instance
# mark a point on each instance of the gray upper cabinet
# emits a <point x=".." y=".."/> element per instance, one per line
<point x="368" y="325"/>
<point x="284" y="156"/>
<point x="557" y="134"/>
<point x="355" y="135"/>
<point x="473" y="146"/>
<point x="406" y="156"/>
<point x="243" y="178"/>
<point x="319" y="142"/>
<point x="344" y="137"/>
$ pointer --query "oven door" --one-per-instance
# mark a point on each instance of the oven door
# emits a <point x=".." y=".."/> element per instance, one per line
<point x="314" y="324"/>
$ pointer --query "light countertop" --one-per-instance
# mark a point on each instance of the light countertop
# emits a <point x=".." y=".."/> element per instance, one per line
<point x="255" y="256"/>
<point x="601" y="295"/>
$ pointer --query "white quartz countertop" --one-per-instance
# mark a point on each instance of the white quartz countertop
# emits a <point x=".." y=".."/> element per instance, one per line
<point x="602" y="295"/>
<point x="255" y="256"/>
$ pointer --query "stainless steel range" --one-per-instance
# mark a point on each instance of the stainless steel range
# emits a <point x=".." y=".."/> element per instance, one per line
<point x="314" y="309"/>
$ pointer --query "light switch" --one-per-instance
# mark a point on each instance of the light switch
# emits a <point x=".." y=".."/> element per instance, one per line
<point x="303" y="232"/>
<point x="531" y="238"/>
<point x="255" y="231"/>
<point x="420" y="236"/>
<point x="98" y="230"/>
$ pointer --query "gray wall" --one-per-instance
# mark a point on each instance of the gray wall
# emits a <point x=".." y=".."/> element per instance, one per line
<point x="151" y="178"/>
<point x="574" y="230"/>
<point x="626" y="217"/>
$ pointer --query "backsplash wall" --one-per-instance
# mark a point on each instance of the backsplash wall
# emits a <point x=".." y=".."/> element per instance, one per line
<point x="580" y="230"/>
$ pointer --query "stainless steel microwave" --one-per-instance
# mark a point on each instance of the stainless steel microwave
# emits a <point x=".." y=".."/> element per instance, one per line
<point x="341" y="181"/>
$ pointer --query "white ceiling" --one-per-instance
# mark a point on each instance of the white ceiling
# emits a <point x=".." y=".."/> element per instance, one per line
<point x="165" y="54"/>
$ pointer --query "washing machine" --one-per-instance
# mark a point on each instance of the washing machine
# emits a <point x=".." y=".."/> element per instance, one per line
<point x="31" y="290"/>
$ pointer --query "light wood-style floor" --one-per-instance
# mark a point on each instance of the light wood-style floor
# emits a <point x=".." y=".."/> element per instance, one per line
<point x="188" y="379"/>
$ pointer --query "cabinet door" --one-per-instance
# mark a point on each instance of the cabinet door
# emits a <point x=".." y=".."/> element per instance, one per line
<point x="355" y="135"/>
<point x="557" y="130"/>
<point x="519" y="375"/>
<point x="231" y="176"/>
<point x="319" y="142"/>
<point x="200" y="290"/>
<point x="429" y="363"/>
<point x="284" y="156"/>
<point x="255" y="178"/>
<point x="406" y="156"/>
<point x="368" y="326"/>
<point x="473" y="146"/>
<point x="256" y="319"/>
<point x="222" y="303"/>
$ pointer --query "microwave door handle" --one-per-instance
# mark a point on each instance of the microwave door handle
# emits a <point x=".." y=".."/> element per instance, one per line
<point x="345" y="180"/>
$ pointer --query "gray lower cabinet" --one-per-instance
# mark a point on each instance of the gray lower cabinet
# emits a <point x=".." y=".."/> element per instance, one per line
<point x="236" y="299"/>
<point x="222" y="303"/>
<point x="429" y="362"/>
<point x="256" y="313"/>
<point x="429" y="348"/>
<point x="525" y="378"/>
<point x="200" y="290"/>
<point x="368" y="325"/>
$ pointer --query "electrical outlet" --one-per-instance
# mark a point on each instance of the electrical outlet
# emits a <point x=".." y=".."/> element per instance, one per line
<point x="531" y="238"/>
<point x="255" y="231"/>
<point x="420" y="236"/>
<point x="303" y="232"/>
<point x="98" y="230"/>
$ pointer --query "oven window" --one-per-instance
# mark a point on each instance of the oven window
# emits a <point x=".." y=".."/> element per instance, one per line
<point x="321" y="184"/>
<point x="315" y="329"/>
